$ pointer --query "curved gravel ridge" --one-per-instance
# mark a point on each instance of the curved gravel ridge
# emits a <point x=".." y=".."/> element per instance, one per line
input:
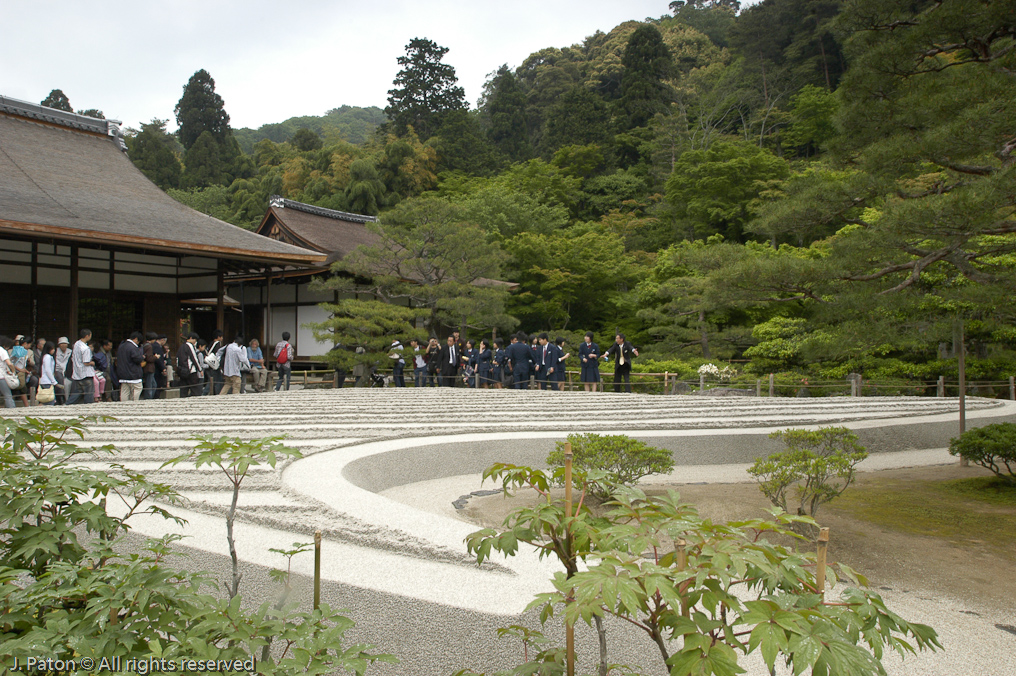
<point x="357" y="443"/>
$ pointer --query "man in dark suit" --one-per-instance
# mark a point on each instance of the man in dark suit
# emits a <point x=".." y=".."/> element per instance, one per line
<point x="546" y="361"/>
<point x="450" y="357"/>
<point x="520" y="358"/>
<point x="623" y="352"/>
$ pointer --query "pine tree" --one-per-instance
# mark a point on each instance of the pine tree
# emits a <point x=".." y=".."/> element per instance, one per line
<point x="199" y="110"/>
<point x="647" y="63"/>
<point x="425" y="90"/>
<point x="58" y="100"/>
<point x="92" y="112"/>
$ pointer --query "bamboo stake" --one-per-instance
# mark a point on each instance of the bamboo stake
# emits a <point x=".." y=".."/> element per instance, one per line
<point x="823" y="545"/>
<point x="963" y="389"/>
<point x="1012" y="387"/>
<point x="569" y="628"/>
<point x="682" y="563"/>
<point x="317" y="569"/>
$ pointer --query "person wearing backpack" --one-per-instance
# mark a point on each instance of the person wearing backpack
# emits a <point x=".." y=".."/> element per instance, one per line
<point x="284" y="361"/>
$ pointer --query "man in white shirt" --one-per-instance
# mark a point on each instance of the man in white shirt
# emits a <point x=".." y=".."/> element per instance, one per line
<point x="82" y="385"/>
<point x="398" y="363"/>
<point x="231" y="357"/>
<point x="419" y="363"/>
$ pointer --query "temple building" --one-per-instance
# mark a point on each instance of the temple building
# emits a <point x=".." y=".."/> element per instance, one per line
<point x="86" y="240"/>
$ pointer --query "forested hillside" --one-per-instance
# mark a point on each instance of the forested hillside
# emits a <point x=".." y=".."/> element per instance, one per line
<point x="821" y="187"/>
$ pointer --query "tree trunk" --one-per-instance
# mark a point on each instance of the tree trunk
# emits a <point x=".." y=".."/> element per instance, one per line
<point x="704" y="333"/>
<point x="235" y="587"/>
<point x="601" y="633"/>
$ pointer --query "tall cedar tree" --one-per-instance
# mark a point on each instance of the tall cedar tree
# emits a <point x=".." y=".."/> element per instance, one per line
<point x="506" y="109"/>
<point x="647" y="63"/>
<point x="199" y="110"/>
<point x="580" y="117"/>
<point x="58" y="100"/>
<point x="425" y="90"/>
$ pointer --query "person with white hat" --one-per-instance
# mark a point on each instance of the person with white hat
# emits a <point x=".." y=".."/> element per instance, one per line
<point x="63" y="355"/>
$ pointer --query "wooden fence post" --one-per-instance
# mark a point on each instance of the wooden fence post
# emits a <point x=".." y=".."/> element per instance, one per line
<point x="758" y="387"/>
<point x="772" y="384"/>
<point x="940" y="389"/>
<point x="317" y="569"/>
<point x="1012" y="387"/>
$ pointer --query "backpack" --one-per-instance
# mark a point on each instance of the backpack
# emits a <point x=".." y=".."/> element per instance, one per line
<point x="212" y="361"/>
<point x="283" y="357"/>
<point x="69" y="369"/>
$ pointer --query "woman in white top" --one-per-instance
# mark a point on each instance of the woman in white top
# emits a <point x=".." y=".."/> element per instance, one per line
<point x="47" y="373"/>
<point x="6" y="365"/>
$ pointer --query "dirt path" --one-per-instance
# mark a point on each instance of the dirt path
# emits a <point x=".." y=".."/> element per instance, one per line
<point x="971" y="571"/>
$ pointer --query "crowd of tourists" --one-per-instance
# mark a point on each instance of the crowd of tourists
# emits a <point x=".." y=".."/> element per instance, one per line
<point x="41" y="372"/>
<point x="521" y="362"/>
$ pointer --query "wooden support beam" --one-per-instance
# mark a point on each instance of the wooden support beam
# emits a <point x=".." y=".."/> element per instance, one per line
<point x="220" y="293"/>
<point x="72" y="316"/>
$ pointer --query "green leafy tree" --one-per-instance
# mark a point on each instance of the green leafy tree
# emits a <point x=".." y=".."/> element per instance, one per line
<point x="462" y="145"/>
<point x="425" y="90"/>
<point x="201" y="110"/>
<point x="647" y="65"/>
<point x="58" y="100"/>
<point x="432" y="260"/>
<point x="567" y="278"/>
<point x="92" y="112"/>
<point x="714" y="18"/>
<point x="580" y="117"/>
<point x="151" y="151"/>
<point x="306" y="140"/>
<point x="504" y="211"/>
<point x="505" y="107"/>
<point x="812" y="112"/>
<point x="779" y="346"/>
<point x="712" y="190"/>
<point x="203" y="163"/>
<point x="365" y="193"/>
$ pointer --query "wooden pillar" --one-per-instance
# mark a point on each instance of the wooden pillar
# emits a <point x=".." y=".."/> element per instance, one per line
<point x="220" y="293"/>
<point x="72" y="317"/>
<point x="268" y="304"/>
<point x="35" y="297"/>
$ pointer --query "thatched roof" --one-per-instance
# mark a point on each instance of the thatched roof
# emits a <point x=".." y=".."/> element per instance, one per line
<point x="66" y="177"/>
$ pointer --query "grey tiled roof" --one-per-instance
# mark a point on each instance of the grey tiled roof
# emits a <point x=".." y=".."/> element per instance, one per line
<point x="66" y="179"/>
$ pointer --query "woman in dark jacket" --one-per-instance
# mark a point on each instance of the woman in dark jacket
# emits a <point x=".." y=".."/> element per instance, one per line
<point x="483" y="364"/>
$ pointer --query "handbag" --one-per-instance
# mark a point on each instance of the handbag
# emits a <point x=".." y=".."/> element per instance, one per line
<point x="11" y="380"/>
<point x="45" y="394"/>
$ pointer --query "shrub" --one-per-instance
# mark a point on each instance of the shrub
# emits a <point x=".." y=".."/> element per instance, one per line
<point x="992" y="447"/>
<point x="818" y="464"/>
<point x="625" y="460"/>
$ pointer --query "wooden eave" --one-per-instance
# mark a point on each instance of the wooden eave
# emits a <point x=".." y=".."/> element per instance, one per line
<point x="166" y="245"/>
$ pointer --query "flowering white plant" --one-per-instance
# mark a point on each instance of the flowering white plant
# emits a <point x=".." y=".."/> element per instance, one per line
<point x="712" y="370"/>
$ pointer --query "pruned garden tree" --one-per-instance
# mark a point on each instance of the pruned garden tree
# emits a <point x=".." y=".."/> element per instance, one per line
<point x="429" y="259"/>
<point x="817" y="466"/>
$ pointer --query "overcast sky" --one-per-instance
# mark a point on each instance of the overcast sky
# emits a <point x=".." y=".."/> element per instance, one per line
<point x="272" y="60"/>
